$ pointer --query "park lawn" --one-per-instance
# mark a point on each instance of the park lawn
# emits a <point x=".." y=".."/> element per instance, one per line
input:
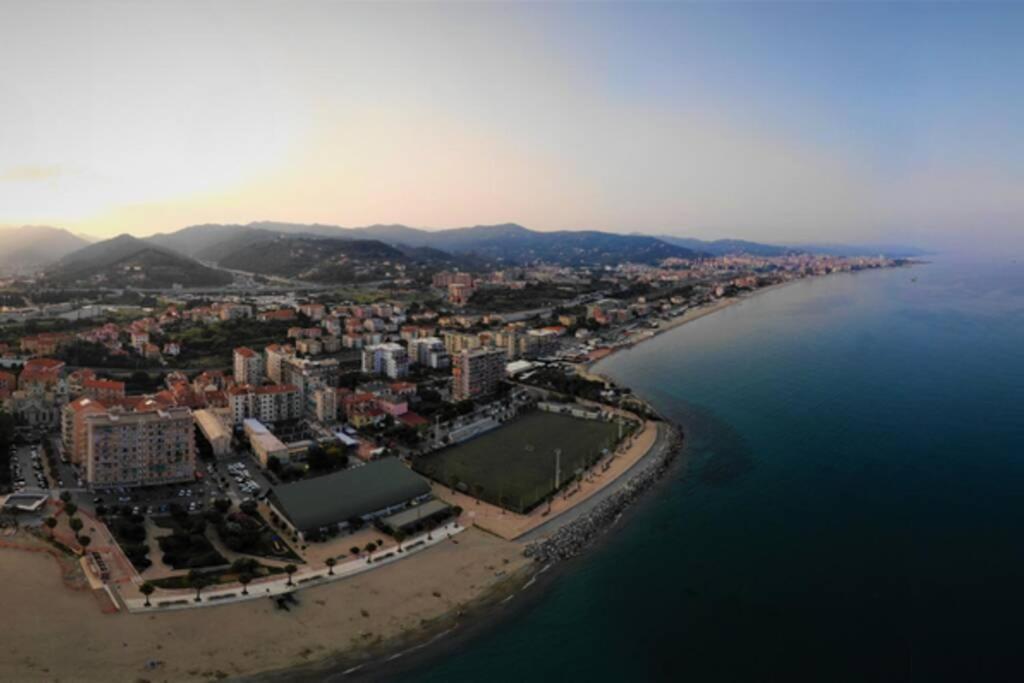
<point x="514" y="465"/>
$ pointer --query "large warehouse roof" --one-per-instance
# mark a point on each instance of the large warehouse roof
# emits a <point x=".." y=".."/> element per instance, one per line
<point x="333" y="498"/>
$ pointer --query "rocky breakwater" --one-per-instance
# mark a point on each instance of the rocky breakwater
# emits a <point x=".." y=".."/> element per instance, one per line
<point x="569" y="540"/>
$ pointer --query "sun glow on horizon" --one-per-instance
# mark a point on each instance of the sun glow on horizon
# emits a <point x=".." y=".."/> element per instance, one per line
<point x="688" y="119"/>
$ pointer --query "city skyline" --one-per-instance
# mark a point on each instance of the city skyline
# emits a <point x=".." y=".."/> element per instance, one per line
<point x="777" y="123"/>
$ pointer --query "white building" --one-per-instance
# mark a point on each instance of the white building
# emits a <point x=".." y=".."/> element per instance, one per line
<point x="429" y="351"/>
<point x="248" y="366"/>
<point x="388" y="359"/>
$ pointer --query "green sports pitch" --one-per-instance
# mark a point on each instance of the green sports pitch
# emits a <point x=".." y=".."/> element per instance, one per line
<point x="514" y="466"/>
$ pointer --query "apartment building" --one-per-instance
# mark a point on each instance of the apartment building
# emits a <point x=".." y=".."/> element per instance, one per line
<point x="477" y="373"/>
<point x="248" y="366"/>
<point x="276" y="355"/>
<point x="144" y="443"/>
<point x="389" y="359"/>
<point x="271" y="403"/>
<point x="429" y="352"/>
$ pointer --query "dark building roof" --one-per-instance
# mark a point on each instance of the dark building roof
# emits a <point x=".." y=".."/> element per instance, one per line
<point x="414" y="515"/>
<point x="334" y="498"/>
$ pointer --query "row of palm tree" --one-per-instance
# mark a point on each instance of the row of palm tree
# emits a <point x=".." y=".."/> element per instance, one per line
<point x="198" y="580"/>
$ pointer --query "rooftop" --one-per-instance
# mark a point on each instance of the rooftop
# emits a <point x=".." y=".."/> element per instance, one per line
<point x="337" y="497"/>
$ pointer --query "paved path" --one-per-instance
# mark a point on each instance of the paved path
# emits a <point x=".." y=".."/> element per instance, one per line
<point x="185" y="599"/>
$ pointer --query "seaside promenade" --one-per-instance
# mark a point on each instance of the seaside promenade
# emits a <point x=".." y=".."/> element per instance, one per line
<point x="163" y="600"/>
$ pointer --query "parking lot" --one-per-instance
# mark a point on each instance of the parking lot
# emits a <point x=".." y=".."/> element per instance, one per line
<point x="240" y="477"/>
<point x="27" y="469"/>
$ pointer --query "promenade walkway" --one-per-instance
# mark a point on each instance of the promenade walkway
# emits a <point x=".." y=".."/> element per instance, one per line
<point x="164" y="600"/>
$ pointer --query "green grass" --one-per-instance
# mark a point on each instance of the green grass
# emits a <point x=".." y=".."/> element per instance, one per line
<point x="514" y="465"/>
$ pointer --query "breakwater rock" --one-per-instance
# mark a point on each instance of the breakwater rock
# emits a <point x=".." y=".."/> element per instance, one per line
<point x="572" y="538"/>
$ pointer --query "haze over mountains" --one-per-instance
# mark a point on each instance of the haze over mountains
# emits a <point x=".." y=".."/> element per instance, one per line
<point x="125" y="261"/>
<point x="27" y="248"/>
<point x="498" y="244"/>
<point x="329" y="253"/>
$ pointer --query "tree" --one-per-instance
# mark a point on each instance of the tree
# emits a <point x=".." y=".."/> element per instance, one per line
<point x="84" y="541"/>
<point x="147" y="589"/>
<point x="222" y="505"/>
<point x="245" y="579"/>
<point x="70" y="509"/>
<point x="290" y="569"/>
<point x="354" y="550"/>
<point x="399" y="536"/>
<point x="330" y="562"/>
<point x="65" y="497"/>
<point x="76" y="524"/>
<point x="370" y="547"/>
<point x="199" y="581"/>
<point x="50" y="523"/>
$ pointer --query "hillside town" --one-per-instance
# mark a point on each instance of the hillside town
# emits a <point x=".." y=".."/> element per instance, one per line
<point x="206" y="441"/>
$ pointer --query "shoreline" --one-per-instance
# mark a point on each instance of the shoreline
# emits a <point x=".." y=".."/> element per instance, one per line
<point x="691" y="315"/>
<point x="485" y="603"/>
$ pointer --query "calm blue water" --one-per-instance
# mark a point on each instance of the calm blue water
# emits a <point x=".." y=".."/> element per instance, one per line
<point x="852" y="507"/>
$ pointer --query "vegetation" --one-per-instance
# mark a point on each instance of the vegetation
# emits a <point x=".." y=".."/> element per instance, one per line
<point x="534" y="295"/>
<point x="147" y="589"/>
<point x="323" y="460"/>
<point x="188" y="547"/>
<point x="567" y="384"/>
<point x="211" y="345"/>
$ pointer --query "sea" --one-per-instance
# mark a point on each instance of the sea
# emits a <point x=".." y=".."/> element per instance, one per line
<point x="849" y="504"/>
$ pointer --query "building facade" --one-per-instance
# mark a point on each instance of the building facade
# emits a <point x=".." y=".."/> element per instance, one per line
<point x="477" y="373"/>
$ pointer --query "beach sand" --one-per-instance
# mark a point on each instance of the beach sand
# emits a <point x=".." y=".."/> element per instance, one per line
<point x="58" y="634"/>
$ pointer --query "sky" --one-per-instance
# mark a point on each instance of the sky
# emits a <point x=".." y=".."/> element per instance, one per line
<point x="866" y="122"/>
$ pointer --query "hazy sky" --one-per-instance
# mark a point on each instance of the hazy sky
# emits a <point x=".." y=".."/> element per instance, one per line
<point x="861" y="122"/>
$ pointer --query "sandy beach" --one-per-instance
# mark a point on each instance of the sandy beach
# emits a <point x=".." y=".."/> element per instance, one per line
<point x="59" y="634"/>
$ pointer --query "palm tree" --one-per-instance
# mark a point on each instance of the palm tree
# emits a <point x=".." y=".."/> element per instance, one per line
<point x="370" y="547"/>
<point x="399" y="536"/>
<point x="76" y="524"/>
<point x="290" y="569"/>
<point x="84" y="541"/>
<point x="198" y="581"/>
<point x="70" y="509"/>
<point x="354" y="550"/>
<point x="330" y="562"/>
<point x="50" y="523"/>
<point x="245" y="579"/>
<point x="147" y="590"/>
<point x="65" y="497"/>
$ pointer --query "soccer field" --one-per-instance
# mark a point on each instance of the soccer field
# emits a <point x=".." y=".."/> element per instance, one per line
<point x="514" y="465"/>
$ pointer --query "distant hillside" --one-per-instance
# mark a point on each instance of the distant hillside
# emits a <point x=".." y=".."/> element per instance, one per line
<point x="198" y="241"/>
<point x="126" y="261"/>
<point x="29" y="248"/>
<point x="494" y="244"/>
<point x="319" y="259"/>
<point x="727" y="246"/>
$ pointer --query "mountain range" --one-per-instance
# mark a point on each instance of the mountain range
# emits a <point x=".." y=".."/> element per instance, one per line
<point x="201" y="254"/>
<point x="25" y="249"/>
<point x="126" y="261"/>
<point x="507" y="244"/>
